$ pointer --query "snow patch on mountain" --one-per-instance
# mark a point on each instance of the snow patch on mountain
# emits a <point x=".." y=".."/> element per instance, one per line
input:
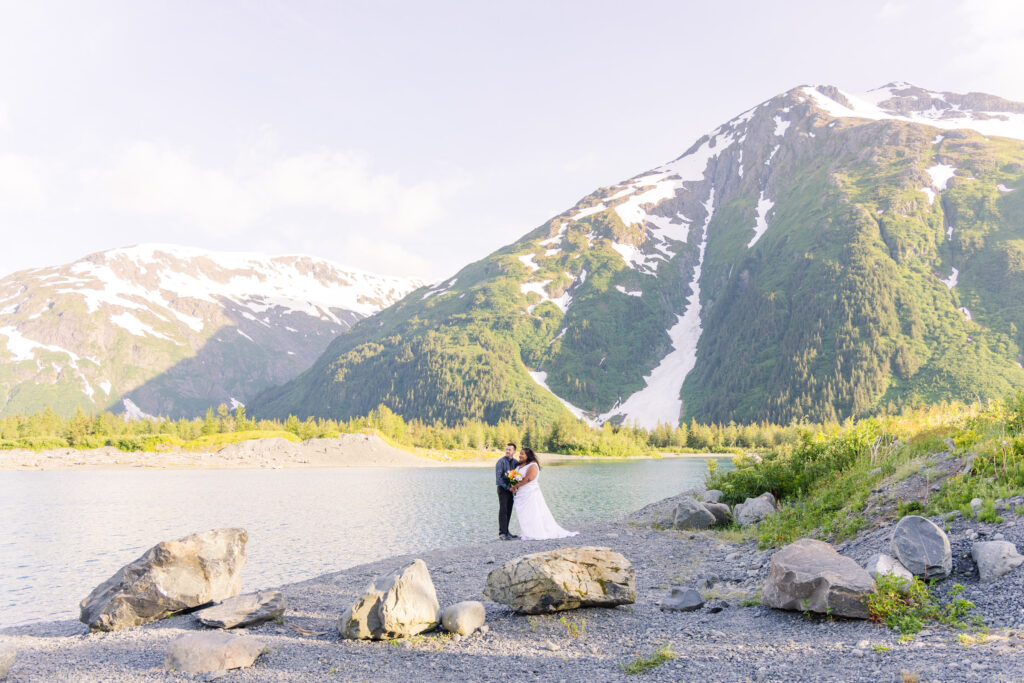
<point x="1004" y="188"/>
<point x="930" y="193"/>
<point x="940" y="175"/>
<point x="135" y="326"/>
<point x="764" y="205"/>
<point x="951" y="281"/>
<point x="660" y="401"/>
<point x="628" y="291"/>
<point x="949" y="117"/>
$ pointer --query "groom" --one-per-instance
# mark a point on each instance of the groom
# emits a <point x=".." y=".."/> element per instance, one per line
<point x="505" y="463"/>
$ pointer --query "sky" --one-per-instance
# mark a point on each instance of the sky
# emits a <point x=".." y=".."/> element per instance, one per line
<point x="410" y="138"/>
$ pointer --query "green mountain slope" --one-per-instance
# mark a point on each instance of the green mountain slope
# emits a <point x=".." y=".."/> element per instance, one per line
<point x="819" y="256"/>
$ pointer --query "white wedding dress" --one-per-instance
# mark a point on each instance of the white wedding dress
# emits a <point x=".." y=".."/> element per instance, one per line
<point x="535" y="520"/>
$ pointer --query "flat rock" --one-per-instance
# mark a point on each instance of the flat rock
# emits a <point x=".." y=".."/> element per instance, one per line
<point x="563" y="579"/>
<point x="754" y="510"/>
<point x="922" y="547"/>
<point x="463" y="618"/>
<point x="691" y="514"/>
<point x="206" y="652"/>
<point x="809" y="575"/>
<point x="995" y="558"/>
<point x="682" y="600"/>
<point x="169" y="577"/>
<point x="243" y="610"/>
<point x="397" y="605"/>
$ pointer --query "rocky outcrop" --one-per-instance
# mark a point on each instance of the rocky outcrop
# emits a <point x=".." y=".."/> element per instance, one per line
<point x="463" y="617"/>
<point x="202" y="653"/>
<point x="754" y="510"/>
<point x="922" y="547"/>
<point x="243" y="610"/>
<point x="692" y="514"/>
<point x="995" y="558"/>
<point x="682" y="600"/>
<point x="400" y="604"/>
<point x="563" y="579"/>
<point x="711" y="495"/>
<point x="809" y="575"/>
<point x="169" y="577"/>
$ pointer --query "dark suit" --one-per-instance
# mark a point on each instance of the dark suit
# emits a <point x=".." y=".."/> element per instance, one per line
<point x="505" y="498"/>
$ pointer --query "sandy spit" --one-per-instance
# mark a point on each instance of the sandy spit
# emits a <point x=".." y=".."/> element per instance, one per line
<point x="348" y="450"/>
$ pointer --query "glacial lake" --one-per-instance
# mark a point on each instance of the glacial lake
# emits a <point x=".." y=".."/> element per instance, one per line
<point x="64" y="532"/>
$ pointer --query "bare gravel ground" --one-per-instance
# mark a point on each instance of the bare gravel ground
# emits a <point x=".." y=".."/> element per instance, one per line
<point x="737" y="643"/>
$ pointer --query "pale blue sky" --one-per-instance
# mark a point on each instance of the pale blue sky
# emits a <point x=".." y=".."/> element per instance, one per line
<point x="409" y="138"/>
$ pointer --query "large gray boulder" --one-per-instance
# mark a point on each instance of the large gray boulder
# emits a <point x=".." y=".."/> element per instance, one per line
<point x="203" y="653"/>
<point x="691" y="514"/>
<point x="922" y="547"/>
<point x="243" y="610"/>
<point x="886" y="565"/>
<point x="463" y="617"/>
<point x="754" y="510"/>
<point x="400" y="604"/>
<point x="563" y="579"/>
<point x="169" y="577"/>
<point x="723" y="515"/>
<point x="809" y="575"/>
<point x="995" y="558"/>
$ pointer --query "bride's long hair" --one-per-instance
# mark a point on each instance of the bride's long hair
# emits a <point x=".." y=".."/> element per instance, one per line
<point x="530" y="457"/>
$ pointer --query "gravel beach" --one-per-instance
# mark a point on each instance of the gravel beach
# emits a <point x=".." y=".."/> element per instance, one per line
<point x="724" y="641"/>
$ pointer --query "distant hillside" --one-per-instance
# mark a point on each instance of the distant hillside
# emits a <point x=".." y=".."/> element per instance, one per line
<point x="168" y="330"/>
<point x="819" y="256"/>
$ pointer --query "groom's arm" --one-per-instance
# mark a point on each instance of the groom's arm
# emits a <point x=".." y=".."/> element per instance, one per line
<point x="500" y="470"/>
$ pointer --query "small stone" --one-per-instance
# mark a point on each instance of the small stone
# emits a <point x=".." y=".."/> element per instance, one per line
<point x="551" y="645"/>
<point x="858" y="653"/>
<point x="463" y="617"/>
<point x="716" y="606"/>
<point x="682" y="600"/>
<point x="484" y="629"/>
<point x="976" y="504"/>
<point x="995" y="558"/>
<point x="490" y="560"/>
<point x="863" y="644"/>
<point x="207" y="652"/>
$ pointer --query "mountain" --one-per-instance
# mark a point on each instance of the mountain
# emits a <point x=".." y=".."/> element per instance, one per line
<point x="168" y="330"/>
<point x="819" y="256"/>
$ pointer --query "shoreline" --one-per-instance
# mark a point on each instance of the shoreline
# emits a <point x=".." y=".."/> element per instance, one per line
<point x="730" y="639"/>
<point x="729" y="642"/>
<point x="348" y="450"/>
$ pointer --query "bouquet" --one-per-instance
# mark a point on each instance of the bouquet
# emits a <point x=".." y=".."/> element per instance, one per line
<point x="513" y="477"/>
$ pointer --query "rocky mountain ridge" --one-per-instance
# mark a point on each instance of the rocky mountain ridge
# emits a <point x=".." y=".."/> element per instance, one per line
<point x="821" y="255"/>
<point x="170" y="330"/>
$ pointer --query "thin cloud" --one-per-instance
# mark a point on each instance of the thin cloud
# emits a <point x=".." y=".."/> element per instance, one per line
<point x="156" y="180"/>
<point x="21" y="183"/>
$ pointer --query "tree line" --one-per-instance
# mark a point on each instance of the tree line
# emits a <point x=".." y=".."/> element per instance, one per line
<point x="568" y="435"/>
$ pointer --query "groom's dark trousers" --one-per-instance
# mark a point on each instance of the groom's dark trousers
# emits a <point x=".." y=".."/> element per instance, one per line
<point x="505" y="500"/>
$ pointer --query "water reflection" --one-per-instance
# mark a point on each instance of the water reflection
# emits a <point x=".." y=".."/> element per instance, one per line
<point x="62" y="533"/>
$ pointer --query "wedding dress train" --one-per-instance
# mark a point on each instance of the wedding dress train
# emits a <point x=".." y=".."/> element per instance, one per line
<point x="535" y="520"/>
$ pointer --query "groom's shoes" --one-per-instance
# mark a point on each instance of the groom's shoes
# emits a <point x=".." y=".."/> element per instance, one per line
<point x="508" y="537"/>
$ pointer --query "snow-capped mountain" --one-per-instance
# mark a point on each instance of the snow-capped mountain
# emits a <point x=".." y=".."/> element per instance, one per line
<point x="820" y="255"/>
<point x="170" y="330"/>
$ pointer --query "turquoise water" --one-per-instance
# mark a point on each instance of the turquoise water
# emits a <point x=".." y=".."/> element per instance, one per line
<point x="64" y="532"/>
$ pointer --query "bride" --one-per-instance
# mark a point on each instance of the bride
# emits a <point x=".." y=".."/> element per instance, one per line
<point x="535" y="520"/>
